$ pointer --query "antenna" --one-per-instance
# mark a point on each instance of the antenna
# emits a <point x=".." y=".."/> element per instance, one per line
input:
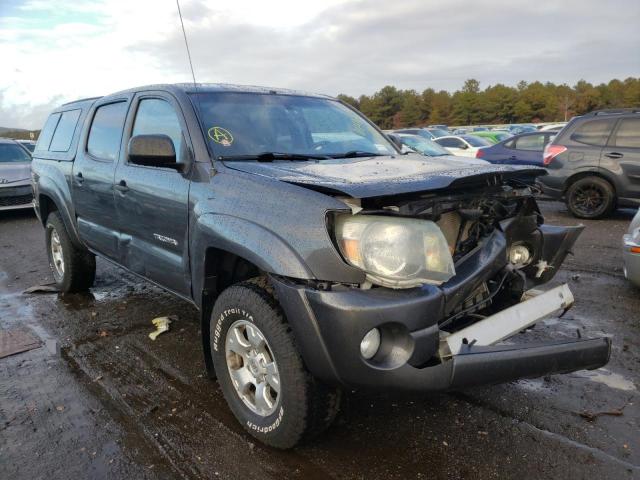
<point x="184" y="33"/>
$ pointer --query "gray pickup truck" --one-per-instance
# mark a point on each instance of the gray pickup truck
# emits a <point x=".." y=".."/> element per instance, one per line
<point x="319" y="256"/>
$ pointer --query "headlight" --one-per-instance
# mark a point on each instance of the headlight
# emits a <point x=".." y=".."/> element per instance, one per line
<point x="395" y="252"/>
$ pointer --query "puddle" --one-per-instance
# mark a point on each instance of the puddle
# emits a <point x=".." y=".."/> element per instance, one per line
<point x="610" y="379"/>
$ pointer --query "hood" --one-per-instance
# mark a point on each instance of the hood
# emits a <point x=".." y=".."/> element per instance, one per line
<point x="382" y="176"/>
<point x="14" y="174"/>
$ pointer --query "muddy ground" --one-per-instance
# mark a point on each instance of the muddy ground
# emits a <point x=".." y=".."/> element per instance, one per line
<point x="100" y="400"/>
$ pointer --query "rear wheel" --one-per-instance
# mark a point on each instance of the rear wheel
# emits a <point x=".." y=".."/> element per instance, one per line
<point x="591" y="198"/>
<point x="260" y="371"/>
<point x="74" y="269"/>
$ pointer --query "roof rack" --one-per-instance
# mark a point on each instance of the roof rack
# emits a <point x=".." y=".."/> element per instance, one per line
<point x="81" y="100"/>
<point x="612" y="111"/>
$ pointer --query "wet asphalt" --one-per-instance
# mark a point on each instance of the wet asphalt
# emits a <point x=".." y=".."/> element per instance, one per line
<point x="101" y="400"/>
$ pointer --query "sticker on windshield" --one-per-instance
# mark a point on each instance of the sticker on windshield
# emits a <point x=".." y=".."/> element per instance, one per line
<point x="221" y="135"/>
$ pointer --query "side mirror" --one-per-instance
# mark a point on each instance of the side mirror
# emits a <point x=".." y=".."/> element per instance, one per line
<point x="153" y="151"/>
<point x="464" y="146"/>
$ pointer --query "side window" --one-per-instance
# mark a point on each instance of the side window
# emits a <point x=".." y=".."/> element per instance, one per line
<point x="64" y="133"/>
<point x="530" y="142"/>
<point x="450" y="142"/>
<point x="510" y="144"/>
<point x="106" y="131"/>
<point x="594" y="132"/>
<point x="156" y="117"/>
<point x="628" y="133"/>
<point x="47" y="132"/>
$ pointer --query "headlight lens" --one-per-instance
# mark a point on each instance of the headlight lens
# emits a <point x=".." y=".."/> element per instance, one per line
<point x="395" y="252"/>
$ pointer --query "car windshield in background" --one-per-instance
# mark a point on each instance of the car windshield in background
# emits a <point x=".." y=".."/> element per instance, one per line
<point x="424" y="146"/>
<point x="272" y="126"/>
<point x="12" y="153"/>
<point x="476" y="141"/>
<point x="436" y="132"/>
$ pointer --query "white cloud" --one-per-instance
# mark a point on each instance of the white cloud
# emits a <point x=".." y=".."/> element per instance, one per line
<point x="55" y="51"/>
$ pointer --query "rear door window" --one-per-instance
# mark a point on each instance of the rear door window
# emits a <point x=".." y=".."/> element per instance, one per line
<point x="594" y="132"/>
<point x="61" y="141"/>
<point x="106" y="131"/>
<point x="628" y="133"/>
<point x="47" y="132"/>
<point x="530" y="142"/>
<point x="450" y="142"/>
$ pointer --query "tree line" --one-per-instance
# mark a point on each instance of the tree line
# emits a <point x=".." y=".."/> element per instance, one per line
<point x="391" y="107"/>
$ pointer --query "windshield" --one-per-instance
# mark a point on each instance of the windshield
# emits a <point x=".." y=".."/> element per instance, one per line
<point x="252" y="125"/>
<point x="436" y="132"/>
<point x="476" y="141"/>
<point x="424" y="146"/>
<point x="12" y="153"/>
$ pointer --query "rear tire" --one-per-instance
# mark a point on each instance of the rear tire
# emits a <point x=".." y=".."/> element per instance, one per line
<point x="247" y="319"/>
<point x="74" y="269"/>
<point x="590" y="198"/>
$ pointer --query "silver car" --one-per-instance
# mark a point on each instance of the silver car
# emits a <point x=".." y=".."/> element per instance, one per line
<point x="631" y="251"/>
<point x="15" y="176"/>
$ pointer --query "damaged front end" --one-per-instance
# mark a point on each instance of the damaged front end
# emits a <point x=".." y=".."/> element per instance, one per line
<point x="440" y="325"/>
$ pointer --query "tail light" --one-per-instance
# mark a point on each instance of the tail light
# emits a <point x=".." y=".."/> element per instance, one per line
<point x="479" y="153"/>
<point x="551" y="152"/>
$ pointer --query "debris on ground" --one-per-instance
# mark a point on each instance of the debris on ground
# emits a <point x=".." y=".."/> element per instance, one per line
<point x="46" y="288"/>
<point x="162" y="325"/>
<point x="591" y="416"/>
<point x="17" y="340"/>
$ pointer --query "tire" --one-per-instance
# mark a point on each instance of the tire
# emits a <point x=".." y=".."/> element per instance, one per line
<point x="74" y="269"/>
<point x="590" y="198"/>
<point x="300" y="407"/>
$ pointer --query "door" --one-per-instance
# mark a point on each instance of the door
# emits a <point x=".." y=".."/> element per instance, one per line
<point x="152" y="202"/>
<point x="92" y="184"/>
<point x="454" y="145"/>
<point x="621" y="156"/>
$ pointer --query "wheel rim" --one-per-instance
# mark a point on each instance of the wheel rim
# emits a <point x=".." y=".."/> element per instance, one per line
<point x="252" y="368"/>
<point x="589" y="199"/>
<point x="57" y="259"/>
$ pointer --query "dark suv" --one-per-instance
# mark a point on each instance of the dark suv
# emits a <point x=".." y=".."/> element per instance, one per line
<point x="594" y="163"/>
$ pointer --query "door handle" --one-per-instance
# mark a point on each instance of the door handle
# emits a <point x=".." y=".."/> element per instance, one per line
<point x="614" y="155"/>
<point x="512" y="157"/>
<point x="79" y="178"/>
<point x="121" y="186"/>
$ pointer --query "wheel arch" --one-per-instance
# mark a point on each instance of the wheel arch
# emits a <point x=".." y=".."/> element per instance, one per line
<point x="589" y="173"/>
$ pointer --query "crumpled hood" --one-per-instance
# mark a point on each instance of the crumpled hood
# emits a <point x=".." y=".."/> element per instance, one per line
<point x="15" y="174"/>
<point x="380" y="176"/>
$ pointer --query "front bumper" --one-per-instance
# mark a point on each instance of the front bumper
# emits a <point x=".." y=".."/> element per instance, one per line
<point x="13" y="198"/>
<point x="330" y="324"/>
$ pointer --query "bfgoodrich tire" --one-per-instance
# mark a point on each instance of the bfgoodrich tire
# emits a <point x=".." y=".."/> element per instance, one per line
<point x="590" y="198"/>
<point x="260" y="371"/>
<point x="74" y="269"/>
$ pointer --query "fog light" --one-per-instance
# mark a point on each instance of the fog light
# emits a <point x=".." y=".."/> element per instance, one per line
<point x="370" y="343"/>
<point x="519" y="255"/>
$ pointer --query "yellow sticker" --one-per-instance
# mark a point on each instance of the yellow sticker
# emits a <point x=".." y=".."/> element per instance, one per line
<point x="221" y="135"/>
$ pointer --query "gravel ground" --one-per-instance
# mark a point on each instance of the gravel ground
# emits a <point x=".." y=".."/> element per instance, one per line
<point x="100" y="400"/>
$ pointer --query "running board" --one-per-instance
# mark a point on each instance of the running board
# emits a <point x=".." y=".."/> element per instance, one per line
<point x="509" y="321"/>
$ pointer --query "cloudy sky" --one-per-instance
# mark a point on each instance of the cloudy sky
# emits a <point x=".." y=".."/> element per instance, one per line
<point x="52" y="51"/>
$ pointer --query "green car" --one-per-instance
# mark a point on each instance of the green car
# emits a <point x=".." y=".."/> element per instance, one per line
<point x="494" y="136"/>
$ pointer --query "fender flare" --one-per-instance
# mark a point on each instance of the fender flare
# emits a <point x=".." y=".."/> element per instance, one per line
<point x="47" y="187"/>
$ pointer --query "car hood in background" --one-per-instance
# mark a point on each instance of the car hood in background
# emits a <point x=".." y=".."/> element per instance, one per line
<point x="381" y="176"/>
<point x="15" y="174"/>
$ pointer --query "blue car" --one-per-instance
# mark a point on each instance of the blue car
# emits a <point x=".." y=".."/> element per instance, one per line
<point x="523" y="149"/>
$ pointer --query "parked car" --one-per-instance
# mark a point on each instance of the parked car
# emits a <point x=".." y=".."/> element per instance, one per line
<point x="523" y="149"/>
<point x="464" y="145"/>
<point x="318" y="259"/>
<point x="494" y="136"/>
<point x="422" y="132"/>
<point x="518" y="129"/>
<point x="421" y="145"/>
<point x="631" y="251"/>
<point x="594" y="163"/>
<point x="437" y="132"/>
<point x="554" y="127"/>
<point x="15" y="176"/>
<point x="28" y="144"/>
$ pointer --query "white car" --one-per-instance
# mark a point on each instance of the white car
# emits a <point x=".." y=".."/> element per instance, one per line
<point x="463" y="145"/>
<point x="554" y="127"/>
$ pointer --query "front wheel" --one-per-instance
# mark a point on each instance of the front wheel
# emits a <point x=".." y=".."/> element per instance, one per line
<point x="590" y="198"/>
<point x="260" y="371"/>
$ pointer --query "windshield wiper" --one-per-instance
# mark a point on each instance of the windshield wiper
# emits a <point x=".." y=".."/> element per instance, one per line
<point x="358" y="153"/>
<point x="271" y="156"/>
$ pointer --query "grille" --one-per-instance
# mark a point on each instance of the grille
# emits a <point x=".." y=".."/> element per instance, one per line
<point x="13" y="201"/>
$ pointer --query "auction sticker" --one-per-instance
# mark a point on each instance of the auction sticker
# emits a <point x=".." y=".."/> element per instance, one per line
<point x="221" y="135"/>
